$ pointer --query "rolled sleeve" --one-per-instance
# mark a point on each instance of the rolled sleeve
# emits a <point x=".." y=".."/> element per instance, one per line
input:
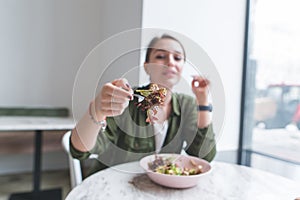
<point x="200" y="141"/>
<point x="75" y="153"/>
<point x="203" y="145"/>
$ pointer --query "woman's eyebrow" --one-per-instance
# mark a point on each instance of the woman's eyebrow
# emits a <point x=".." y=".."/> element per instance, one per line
<point x="163" y="50"/>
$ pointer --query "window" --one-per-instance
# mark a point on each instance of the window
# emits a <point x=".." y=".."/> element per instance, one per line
<point x="271" y="89"/>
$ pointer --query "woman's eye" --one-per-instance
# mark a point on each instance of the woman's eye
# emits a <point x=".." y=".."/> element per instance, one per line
<point x="178" y="58"/>
<point x="160" y="57"/>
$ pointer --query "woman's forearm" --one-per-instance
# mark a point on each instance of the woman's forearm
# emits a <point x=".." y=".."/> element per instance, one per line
<point x="204" y="119"/>
<point x="84" y="135"/>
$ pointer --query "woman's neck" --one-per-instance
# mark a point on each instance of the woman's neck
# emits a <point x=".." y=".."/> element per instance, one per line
<point x="168" y="98"/>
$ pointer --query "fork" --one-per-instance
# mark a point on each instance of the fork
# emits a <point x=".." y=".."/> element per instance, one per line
<point x="140" y="97"/>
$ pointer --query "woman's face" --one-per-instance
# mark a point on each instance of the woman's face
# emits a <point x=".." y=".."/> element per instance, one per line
<point x="165" y="64"/>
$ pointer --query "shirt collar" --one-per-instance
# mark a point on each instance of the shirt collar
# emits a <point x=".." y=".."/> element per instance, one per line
<point x="175" y="104"/>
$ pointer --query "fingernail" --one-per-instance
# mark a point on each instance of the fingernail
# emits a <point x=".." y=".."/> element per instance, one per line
<point x="127" y="85"/>
<point x="130" y="97"/>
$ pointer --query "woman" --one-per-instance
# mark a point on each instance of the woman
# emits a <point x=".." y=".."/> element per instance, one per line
<point x="181" y="121"/>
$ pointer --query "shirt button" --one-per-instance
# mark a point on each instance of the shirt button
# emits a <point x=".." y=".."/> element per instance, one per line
<point x="136" y="144"/>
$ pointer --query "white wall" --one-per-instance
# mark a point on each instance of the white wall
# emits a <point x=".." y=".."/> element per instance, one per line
<point x="218" y="27"/>
<point x="43" y="44"/>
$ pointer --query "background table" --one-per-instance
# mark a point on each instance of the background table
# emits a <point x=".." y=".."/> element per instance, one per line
<point x="226" y="181"/>
<point x="38" y="125"/>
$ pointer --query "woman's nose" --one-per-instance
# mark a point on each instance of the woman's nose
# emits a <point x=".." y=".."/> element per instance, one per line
<point x="171" y="61"/>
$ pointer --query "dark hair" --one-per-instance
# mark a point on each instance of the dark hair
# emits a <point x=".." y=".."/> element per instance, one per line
<point x="155" y="40"/>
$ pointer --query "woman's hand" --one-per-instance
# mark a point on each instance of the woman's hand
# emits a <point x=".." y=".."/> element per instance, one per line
<point x="112" y="99"/>
<point x="200" y="89"/>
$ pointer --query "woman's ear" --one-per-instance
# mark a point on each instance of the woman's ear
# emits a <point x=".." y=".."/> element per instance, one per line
<point x="146" y="67"/>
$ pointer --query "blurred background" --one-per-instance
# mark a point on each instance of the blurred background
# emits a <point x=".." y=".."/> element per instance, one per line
<point x="253" y="44"/>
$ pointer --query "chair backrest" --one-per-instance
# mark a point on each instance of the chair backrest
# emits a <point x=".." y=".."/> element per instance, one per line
<point x="74" y="164"/>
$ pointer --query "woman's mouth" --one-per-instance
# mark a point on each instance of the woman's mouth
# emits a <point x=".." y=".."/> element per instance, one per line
<point x="169" y="73"/>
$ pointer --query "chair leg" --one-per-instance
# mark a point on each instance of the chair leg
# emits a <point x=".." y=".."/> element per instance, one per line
<point x="75" y="172"/>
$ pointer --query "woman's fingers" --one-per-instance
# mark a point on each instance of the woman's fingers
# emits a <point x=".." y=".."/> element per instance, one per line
<point x="122" y="83"/>
<point x="118" y="89"/>
<point x="200" y="89"/>
<point x="113" y="110"/>
<point x="114" y="97"/>
<point x="113" y="106"/>
<point x="199" y="82"/>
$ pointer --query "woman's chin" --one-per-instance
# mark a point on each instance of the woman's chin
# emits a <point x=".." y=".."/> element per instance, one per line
<point x="166" y="82"/>
<point x="169" y="84"/>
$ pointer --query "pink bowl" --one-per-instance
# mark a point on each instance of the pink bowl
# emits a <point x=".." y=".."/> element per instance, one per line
<point x="174" y="181"/>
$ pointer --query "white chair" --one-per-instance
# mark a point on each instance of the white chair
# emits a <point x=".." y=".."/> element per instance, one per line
<point x="74" y="164"/>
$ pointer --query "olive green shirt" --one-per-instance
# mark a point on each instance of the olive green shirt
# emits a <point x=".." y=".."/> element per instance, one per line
<point x="128" y="137"/>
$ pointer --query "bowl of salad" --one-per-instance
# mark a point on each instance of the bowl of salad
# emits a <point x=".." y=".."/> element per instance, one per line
<point x="175" y="170"/>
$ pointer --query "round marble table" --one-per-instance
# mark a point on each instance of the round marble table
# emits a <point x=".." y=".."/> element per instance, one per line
<point x="226" y="181"/>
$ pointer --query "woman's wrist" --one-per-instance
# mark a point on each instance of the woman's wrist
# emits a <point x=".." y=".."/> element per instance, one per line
<point x="97" y="119"/>
<point x="95" y="113"/>
<point x="202" y="100"/>
<point x="208" y="108"/>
